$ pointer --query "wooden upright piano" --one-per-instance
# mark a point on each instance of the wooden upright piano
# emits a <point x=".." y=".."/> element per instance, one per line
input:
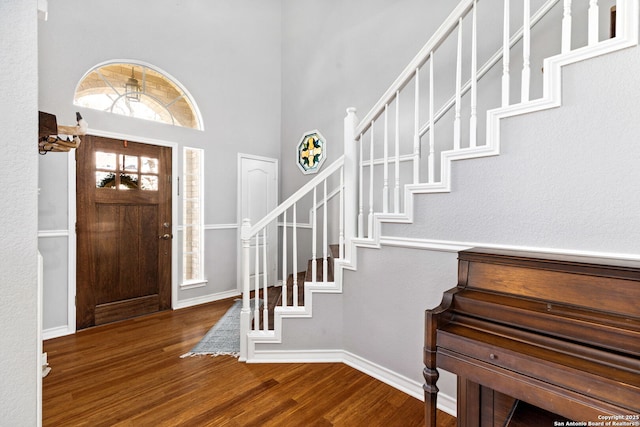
<point x="538" y="339"/>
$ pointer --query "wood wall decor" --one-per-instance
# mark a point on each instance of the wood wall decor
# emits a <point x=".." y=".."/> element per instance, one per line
<point x="52" y="137"/>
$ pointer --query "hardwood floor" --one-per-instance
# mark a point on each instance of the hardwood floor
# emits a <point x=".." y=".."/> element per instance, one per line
<point x="130" y="374"/>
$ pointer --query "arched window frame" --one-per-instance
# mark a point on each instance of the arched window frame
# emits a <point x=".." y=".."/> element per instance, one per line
<point x="120" y="93"/>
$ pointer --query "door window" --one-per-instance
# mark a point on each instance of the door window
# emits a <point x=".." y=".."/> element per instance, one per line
<point x="125" y="172"/>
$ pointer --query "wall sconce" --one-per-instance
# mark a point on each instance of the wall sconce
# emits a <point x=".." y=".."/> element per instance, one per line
<point x="132" y="88"/>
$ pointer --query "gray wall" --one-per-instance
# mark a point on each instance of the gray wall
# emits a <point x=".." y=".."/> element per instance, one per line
<point x="565" y="180"/>
<point x="339" y="54"/>
<point x="336" y="55"/>
<point x="226" y="53"/>
<point x="19" y="358"/>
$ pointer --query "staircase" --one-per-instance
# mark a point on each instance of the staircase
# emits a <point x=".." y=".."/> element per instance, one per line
<point x="405" y="145"/>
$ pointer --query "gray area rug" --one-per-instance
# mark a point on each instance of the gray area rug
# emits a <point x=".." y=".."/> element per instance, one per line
<point x="224" y="337"/>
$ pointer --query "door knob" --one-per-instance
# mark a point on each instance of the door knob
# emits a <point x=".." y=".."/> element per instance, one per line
<point x="166" y="236"/>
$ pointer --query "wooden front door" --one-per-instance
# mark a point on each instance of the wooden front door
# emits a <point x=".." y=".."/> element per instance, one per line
<point x="123" y="230"/>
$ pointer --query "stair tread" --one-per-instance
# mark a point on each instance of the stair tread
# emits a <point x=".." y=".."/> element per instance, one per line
<point x="334" y="251"/>
<point x="274" y="294"/>
<point x="319" y="270"/>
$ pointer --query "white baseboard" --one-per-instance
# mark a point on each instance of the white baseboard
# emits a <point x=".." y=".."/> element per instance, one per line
<point x="297" y="356"/>
<point x="406" y="385"/>
<point x="205" y="299"/>
<point x="59" y="331"/>
<point x="447" y="404"/>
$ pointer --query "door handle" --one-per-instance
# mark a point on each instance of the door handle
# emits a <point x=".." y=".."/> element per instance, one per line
<point x="166" y="236"/>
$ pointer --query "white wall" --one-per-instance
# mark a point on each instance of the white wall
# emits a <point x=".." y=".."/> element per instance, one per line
<point x="19" y="358"/>
<point x="225" y="52"/>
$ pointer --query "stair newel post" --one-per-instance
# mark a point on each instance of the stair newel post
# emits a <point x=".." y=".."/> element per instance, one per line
<point x="245" y="313"/>
<point x="350" y="180"/>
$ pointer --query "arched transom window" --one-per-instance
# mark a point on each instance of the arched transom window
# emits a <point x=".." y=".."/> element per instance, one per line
<point x="137" y="90"/>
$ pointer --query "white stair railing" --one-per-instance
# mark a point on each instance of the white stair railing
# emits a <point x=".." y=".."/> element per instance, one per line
<point x="294" y="246"/>
<point x="396" y="130"/>
<point x="421" y="110"/>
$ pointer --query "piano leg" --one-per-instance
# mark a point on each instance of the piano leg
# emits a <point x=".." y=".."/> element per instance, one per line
<point x="430" y="396"/>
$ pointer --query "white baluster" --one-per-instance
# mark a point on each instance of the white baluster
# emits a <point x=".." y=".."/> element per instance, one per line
<point x="385" y="184"/>
<point x="314" y="233"/>
<point x="256" y="309"/>
<point x="432" y="126"/>
<point x="456" y="120"/>
<point x="342" y="216"/>
<point x="506" y="55"/>
<point x="295" y="257"/>
<point x="284" y="259"/>
<point x="593" y="22"/>
<point x="370" y="217"/>
<point x="526" y="52"/>
<point x="265" y="313"/>
<point x="416" y="131"/>
<point x="473" y="123"/>
<point x="566" y="27"/>
<point x="325" y="243"/>
<point x="360" y="192"/>
<point x="396" y="189"/>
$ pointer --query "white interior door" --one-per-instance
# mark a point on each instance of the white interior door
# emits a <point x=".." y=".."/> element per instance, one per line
<point x="258" y="186"/>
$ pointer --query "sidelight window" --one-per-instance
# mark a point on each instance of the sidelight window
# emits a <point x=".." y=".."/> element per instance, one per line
<point x="193" y="217"/>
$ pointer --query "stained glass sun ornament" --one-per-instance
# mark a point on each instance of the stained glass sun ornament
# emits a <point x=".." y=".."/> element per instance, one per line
<point x="311" y="152"/>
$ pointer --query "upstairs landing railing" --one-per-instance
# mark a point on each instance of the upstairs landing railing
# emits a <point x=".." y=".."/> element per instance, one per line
<point x="429" y="116"/>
